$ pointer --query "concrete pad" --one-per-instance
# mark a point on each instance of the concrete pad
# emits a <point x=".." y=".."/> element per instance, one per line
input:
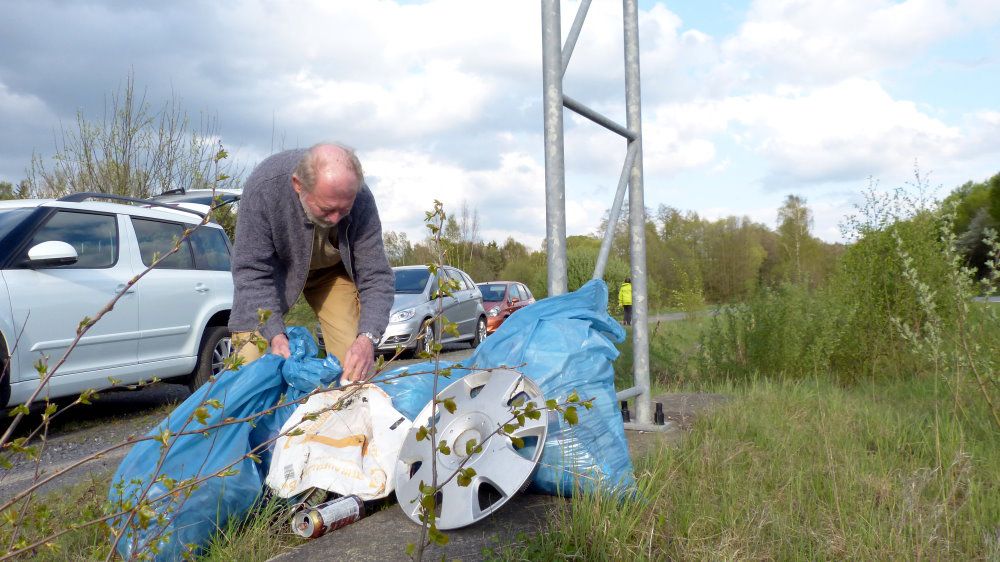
<point x="385" y="534"/>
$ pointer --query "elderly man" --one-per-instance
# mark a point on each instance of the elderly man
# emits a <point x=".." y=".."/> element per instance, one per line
<point x="308" y="224"/>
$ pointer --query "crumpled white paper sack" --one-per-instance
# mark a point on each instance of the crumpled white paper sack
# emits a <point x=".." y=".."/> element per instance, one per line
<point x="351" y="450"/>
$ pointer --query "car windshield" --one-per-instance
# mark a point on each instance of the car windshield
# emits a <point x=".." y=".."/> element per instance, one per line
<point x="411" y="281"/>
<point x="10" y="218"/>
<point x="493" y="291"/>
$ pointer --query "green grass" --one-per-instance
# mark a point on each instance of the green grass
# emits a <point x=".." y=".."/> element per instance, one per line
<point x="301" y="314"/>
<point x="53" y="511"/>
<point x="803" y="471"/>
<point x="261" y="536"/>
<point x="264" y="534"/>
<point x="672" y="354"/>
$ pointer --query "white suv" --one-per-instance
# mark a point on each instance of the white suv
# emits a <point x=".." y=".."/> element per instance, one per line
<point x="63" y="260"/>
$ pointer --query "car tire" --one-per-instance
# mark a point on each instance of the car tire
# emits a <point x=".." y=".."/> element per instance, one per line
<point x="428" y="339"/>
<point x="480" y="332"/>
<point x="4" y="374"/>
<point x="216" y="346"/>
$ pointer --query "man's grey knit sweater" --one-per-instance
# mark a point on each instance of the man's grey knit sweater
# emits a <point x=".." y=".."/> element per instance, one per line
<point x="274" y="245"/>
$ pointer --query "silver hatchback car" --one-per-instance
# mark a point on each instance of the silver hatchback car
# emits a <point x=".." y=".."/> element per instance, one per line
<point x="413" y="305"/>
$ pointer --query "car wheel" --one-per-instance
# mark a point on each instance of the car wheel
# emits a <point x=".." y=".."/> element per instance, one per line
<point x="480" y="332"/>
<point x="4" y="374"/>
<point x="428" y="340"/>
<point x="216" y="347"/>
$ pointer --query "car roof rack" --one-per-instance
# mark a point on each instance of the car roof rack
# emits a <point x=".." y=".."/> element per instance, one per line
<point x="86" y="195"/>
<point x="174" y="191"/>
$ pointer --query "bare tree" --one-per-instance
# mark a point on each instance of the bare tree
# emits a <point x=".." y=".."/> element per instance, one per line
<point x="135" y="150"/>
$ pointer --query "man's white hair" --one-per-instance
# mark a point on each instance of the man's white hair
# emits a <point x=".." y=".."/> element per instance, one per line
<point x="305" y="170"/>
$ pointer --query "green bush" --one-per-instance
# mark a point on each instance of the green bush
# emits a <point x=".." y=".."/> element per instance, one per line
<point x="788" y="331"/>
<point x="876" y="297"/>
<point x="898" y="277"/>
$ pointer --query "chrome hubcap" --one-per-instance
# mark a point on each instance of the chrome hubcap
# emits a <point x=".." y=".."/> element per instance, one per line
<point x="428" y="338"/>
<point x="220" y="353"/>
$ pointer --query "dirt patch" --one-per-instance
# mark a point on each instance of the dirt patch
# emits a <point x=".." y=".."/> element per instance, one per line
<point x="680" y="409"/>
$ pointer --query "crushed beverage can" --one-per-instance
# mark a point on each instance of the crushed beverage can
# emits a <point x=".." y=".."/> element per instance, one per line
<point x="316" y="521"/>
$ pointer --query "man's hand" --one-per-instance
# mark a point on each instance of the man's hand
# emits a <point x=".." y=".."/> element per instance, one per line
<point x="279" y="346"/>
<point x="358" y="361"/>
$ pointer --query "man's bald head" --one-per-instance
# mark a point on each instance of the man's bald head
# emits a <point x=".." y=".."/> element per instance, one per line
<point x="327" y="179"/>
<point x="329" y="159"/>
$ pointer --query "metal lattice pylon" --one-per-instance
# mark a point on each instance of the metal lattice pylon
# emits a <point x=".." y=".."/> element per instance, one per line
<point x="555" y="60"/>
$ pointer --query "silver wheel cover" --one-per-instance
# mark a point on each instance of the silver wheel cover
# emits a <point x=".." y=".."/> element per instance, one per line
<point x="483" y="404"/>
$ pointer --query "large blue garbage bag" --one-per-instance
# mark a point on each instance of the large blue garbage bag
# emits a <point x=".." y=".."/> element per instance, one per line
<point x="410" y="387"/>
<point x="184" y="522"/>
<point x="564" y="343"/>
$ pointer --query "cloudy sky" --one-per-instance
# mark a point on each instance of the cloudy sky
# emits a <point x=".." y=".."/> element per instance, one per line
<point x="744" y="102"/>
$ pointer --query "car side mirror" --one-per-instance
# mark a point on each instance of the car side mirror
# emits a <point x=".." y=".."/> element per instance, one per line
<point x="52" y="253"/>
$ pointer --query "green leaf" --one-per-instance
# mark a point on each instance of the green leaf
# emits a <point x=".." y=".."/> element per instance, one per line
<point x="254" y="457"/>
<point x="427" y="502"/>
<point x="411" y="549"/>
<point x="517" y="442"/>
<point x="588" y="404"/>
<point x="41" y="366"/>
<point x="164" y="437"/>
<point x="213" y="402"/>
<point x="437" y="537"/>
<point x="421" y="433"/>
<point x="570" y="415"/>
<point x="19" y="409"/>
<point x="470" y="447"/>
<point x="533" y="414"/>
<point x="465" y="475"/>
<point x="443" y="447"/>
<point x="573" y="397"/>
<point x="201" y="414"/>
<point x="87" y="395"/>
<point x="510" y="428"/>
<point x="449" y="404"/>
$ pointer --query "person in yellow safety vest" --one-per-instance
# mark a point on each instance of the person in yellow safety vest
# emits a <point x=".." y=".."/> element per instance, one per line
<point x="625" y="300"/>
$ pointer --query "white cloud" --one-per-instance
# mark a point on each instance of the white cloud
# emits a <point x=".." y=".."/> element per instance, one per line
<point x="509" y="198"/>
<point x="443" y="97"/>
<point x="817" y="42"/>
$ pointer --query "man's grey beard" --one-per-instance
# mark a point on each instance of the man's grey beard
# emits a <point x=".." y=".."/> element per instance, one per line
<point x="312" y="218"/>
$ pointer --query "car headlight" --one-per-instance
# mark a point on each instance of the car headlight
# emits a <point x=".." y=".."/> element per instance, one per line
<point x="402" y="315"/>
<point x="494" y="311"/>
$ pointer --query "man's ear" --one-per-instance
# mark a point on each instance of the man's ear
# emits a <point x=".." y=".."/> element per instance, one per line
<point x="296" y="184"/>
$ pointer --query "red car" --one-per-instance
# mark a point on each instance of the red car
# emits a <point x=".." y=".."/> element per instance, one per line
<point x="501" y="299"/>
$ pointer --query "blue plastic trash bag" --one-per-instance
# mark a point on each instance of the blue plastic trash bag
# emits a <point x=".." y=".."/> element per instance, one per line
<point x="566" y="343"/>
<point x="176" y="524"/>
<point x="563" y="343"/>
<point x="410" y="393"/>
